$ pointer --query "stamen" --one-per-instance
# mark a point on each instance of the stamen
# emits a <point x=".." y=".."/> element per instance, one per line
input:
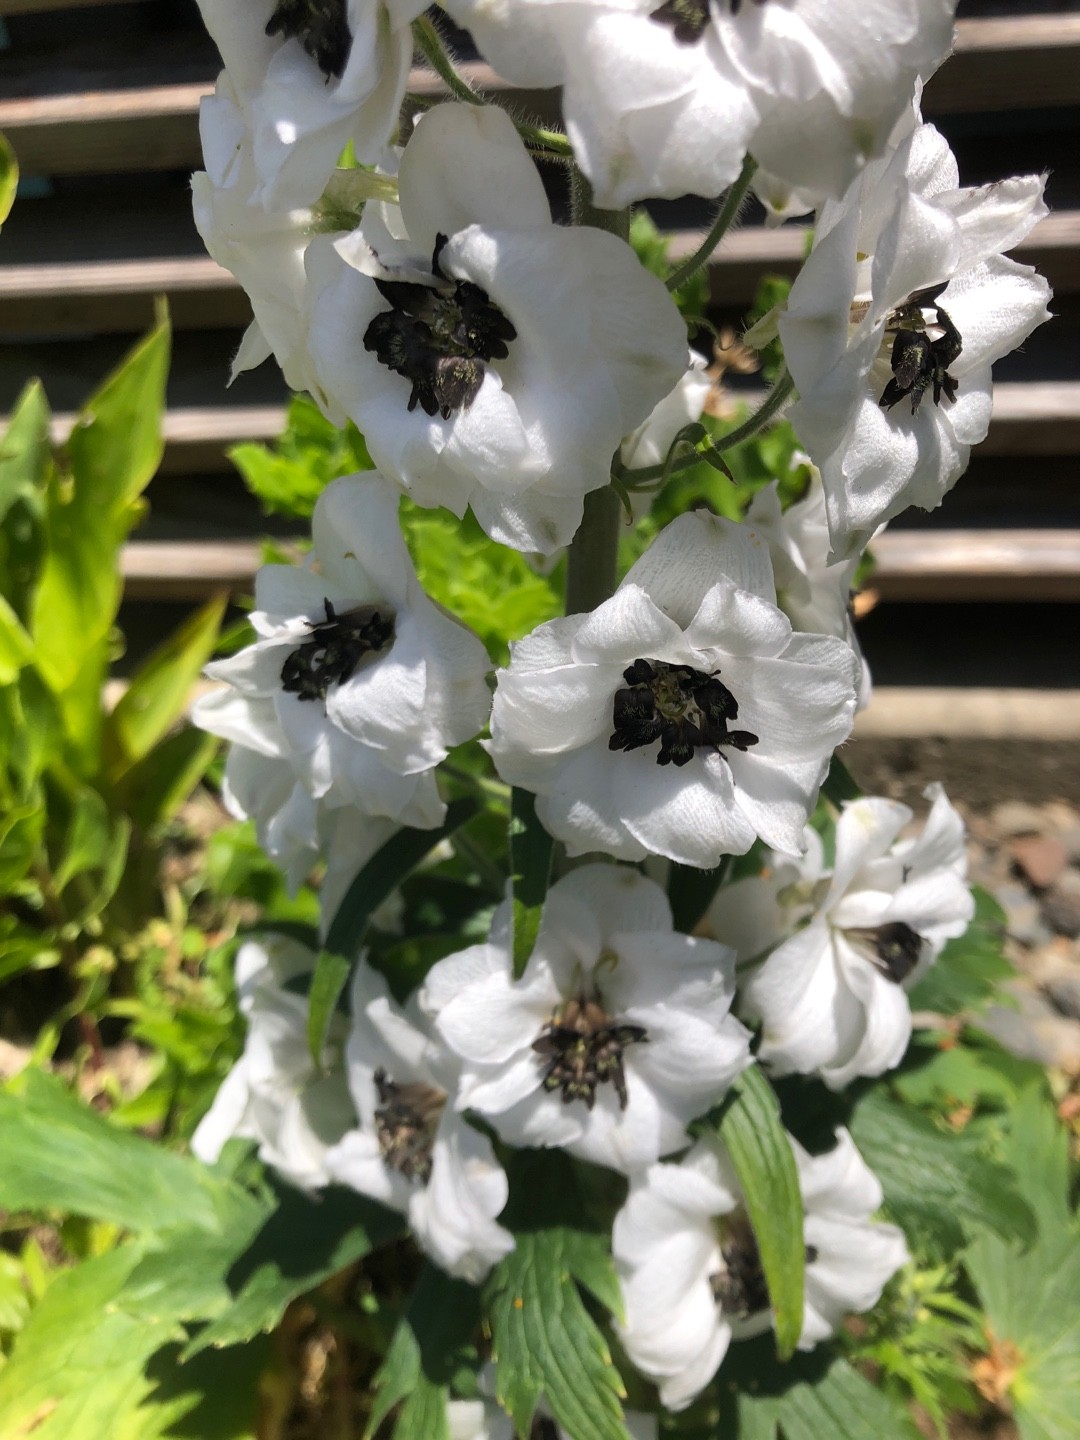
<point x="336" y="647"/>
<point x="739" y="1289"/>
<point x="321" y="27"/>
<point x="405" y="1123"/>
<point x="584" y="1048"/>
<point x="895" y="948"/>
<point x="689" y="19"/>
<point x="681" y="707"/>
<point x="917" y="361"/>
<point x="439" y="336"/>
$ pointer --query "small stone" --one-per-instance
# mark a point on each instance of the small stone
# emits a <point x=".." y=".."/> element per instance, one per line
<point x="1016" y="817"/>
<point x="1064" y="993"/>
<point x="1023" y="921"/>
<point x="1060" y="909"/>
<point x="1041" y="858"/>
<point x="1070" y="838"/>
<point x="1035" y="1030"/>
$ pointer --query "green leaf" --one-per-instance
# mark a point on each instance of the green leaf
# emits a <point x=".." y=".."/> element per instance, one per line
<point x="328" y="981"/>
<point x="384" y="872"/>
<point x="968" y="971"/>
<point x="77" y="1369"/>
<point x="114" y="450"/>
<point x="159" y="689"/>
<point x="544" y="1341"/>
<point x="16" y="646"/>
<point x="816" y="1396"/>
<point x="154" y="788"/>
<point x="305" y="1240"/>
<point x="9" y="178"/>
<point x="59" y="1154"/>
<point x="1036" y="1148"/>
<point x="939" y="1186"/>
<point x="25" y="466"/>
<point x="1032" y="1303"/>
<point x="433" y="1341"/>
<point x="691" y="892"/>
<point x="531" y="849"/>
<point x="764" y="1161"/>
<point x="840" y="785"/>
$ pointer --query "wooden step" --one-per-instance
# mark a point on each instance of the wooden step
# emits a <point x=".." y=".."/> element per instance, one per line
<point x="117" y="296"/>
<point x="922" y="565"/>
<point x="1011" y="63"/>
<point x="977" y="565"/>
<point x="1040" y="418"/>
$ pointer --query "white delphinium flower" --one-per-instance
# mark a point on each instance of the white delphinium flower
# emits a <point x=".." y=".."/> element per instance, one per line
<point x="832" y="997"/>
<point x="479" y="1420"/>
<point x="490" y="357"/>
<point x="617" y="1035"/>
<point x="310" y="76"/>
<point x="684" y="716"/>
<point x="651" y="441"/>
<point x="274" y="1094"/>
<point x="691" y="1272"/>
<point x="894" y="322"/>
<point x="412" y="1150"/>
<point x="263" y="248"/>
<point x="356" y="686"/>
<point x="662" y="99"/>
<point x="814" y="595"/>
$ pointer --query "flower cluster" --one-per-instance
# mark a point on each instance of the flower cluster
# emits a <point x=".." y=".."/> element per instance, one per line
<point x="415" y="280"/>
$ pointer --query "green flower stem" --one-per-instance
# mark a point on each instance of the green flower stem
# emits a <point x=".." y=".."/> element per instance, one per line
<point x="593" y="554"/>
<point x="551" y="144"/>
<point x="774" y="402"/>
<point x="429" y="43"/>
<point x="592" y="557"/>
<point x="725" y="218"/>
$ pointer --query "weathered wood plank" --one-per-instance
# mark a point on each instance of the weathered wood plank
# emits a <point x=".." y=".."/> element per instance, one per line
<point x="1040" y="418"/>
<point x="116" y="296"/>
<point x="944" y="565"/>
<point x="977" y="565"/>
<point x="1011" y="63"/>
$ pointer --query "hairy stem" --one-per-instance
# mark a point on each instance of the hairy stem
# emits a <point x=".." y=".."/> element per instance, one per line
<point x="725" y="218"/>
<point x="777" y="397"/>
<point x="429" y="43"/>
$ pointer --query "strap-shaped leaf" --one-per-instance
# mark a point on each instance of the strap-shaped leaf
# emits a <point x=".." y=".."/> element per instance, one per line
<point x="384" y="872"/>
<point x="840" y="785"/>
<point x="328" y="981"/>
<point x="691" y="892"/>
<point x="765" y="1164"/>
<point x="530" y="864"/>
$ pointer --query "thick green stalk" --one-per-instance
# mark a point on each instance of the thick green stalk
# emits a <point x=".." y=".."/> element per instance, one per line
<point x="592" y="558"/>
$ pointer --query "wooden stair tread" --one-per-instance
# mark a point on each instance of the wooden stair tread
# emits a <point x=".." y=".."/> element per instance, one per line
<point x="110" y="296"/>
<point x="956" y="565"/>
<point x="1013" y="62"/>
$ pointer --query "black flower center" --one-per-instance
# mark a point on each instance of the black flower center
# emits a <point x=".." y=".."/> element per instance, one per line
<point x="440" y="337"/>
<point x="583" y="1047"/>
<point x="336" y="647"/>
<point x="894" y="948"/>
<point x="740" y="1288"/>
<point x="918" y="362"/>
<point x="321" y="28"/>
<point x="405" y="1124"/>
<point x="681" y="707"/>
<point x="689" y="19"/>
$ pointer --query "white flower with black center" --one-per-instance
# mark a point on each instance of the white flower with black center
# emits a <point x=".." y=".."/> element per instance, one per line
<point x="411" y="1149"/>
<point x="310" y="76"/>
<point x="684" y="716"/>
<point x="691" y="1273"/>
<point x="274" y="1094"/>
<point x="617" y="1035"/>
<point x="814" y="595"/>
<point x="894" y="322"/>
<point x="665" y="98"/>
<point x="357" y="685"/>
<point x="832" y="997"/>
<point x="490" y="357"/>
